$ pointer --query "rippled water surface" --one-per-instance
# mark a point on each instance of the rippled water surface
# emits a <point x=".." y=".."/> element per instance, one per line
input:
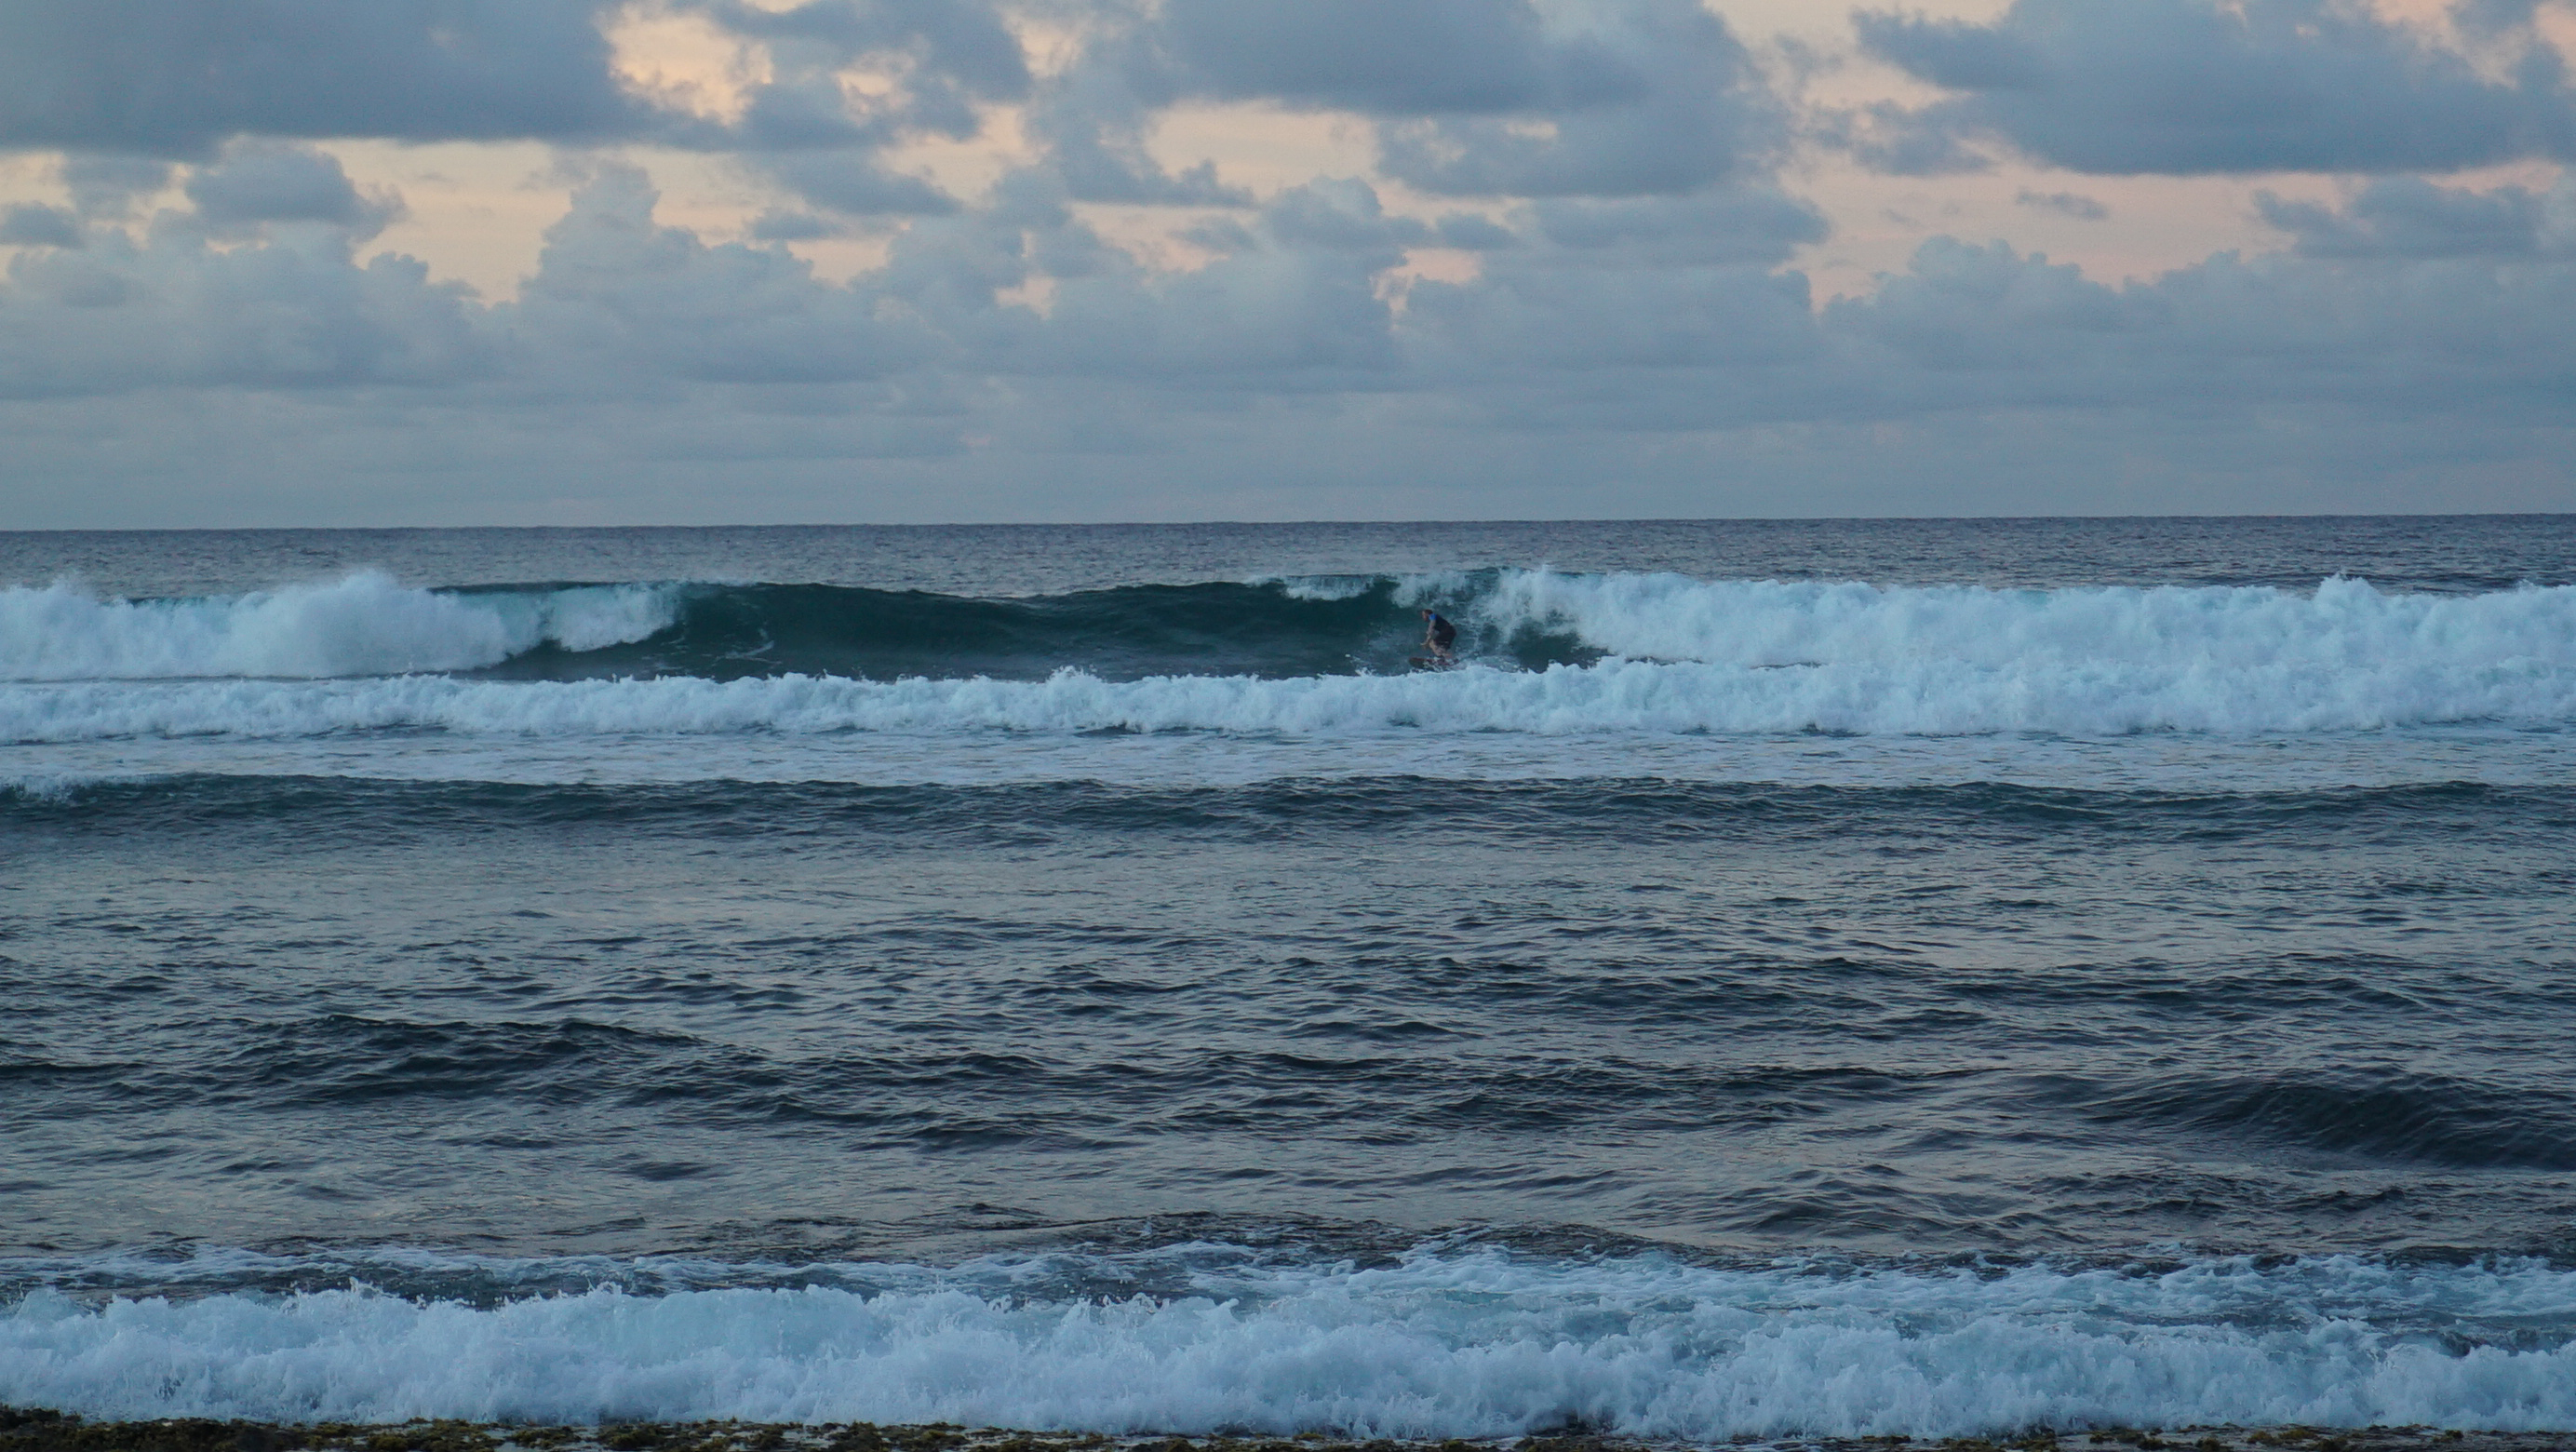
<point x="2048" y="971"/>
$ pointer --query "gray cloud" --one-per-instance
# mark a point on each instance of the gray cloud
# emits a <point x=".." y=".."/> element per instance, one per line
<point x="263" y="182"/>
<point x="1340" y="214"/>
<point x="124" y="82"/>
<point x="854" y="182"/>
<point x="1668" y="102"/>
<point x="775" y="225"/>
<point x="2429" y="339"/>
<point x="1471" y="233"/>
<point x="175" y="77"/>
<point x="804" y="130"/>
<point x="2065" y="204"/>
<point x="1292" y="306"/>
<point x="30" y="224"/>
<point x="618" y="300"/>
<point x="1469" y="97"/>
<point x="119" y="319"/>
<point x="1885" y="136"/>
<point x="2494" y="17"/>
<point x="109" y="186"/>
<point x="1387" y="57"/>
<point x="1633" y="338"/>
<point x="1093" y="123"/>
<point x="2410" y="217"/>
<point x="1481" y="97"/>
<point x="959" y="47"/>
<point x="1739" y="227"/>
<point x="2192" y="87"/>
<point x="1619" y="319"/>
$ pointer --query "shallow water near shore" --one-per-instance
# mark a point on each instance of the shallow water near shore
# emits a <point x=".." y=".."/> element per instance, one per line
<point x="1892" y="979"/>
<point x="46" y="1432"/>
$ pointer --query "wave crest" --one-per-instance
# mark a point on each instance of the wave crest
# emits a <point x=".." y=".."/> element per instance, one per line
<point x="1556" y="654"/>
<point x="2343" y="624"/>
<point x="364" y="624"/>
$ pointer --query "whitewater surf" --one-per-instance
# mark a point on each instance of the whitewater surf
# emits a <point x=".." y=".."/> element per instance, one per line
<point x="1789" y="982"/>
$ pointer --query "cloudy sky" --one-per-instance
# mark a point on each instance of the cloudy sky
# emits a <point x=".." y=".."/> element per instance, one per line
<point x="578" y="261"/>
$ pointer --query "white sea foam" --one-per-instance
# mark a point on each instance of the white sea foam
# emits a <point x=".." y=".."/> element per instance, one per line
<point x="1319" y="587"/>
<point x="1930" y="697"/>
<point x="1686" y="657"/>
<point x="363" y="624"/>
<point x="368" y="625"/>
<point x="2343" y="625"/>
<point x="1463" y="1344"/>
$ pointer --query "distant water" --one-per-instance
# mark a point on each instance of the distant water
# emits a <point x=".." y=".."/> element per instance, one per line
<point x="1794" y="978"/>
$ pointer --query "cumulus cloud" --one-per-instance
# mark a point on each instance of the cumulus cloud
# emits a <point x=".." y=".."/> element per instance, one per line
<point x="1668" y="102"/>
<point x="1385" y="57"/>
<point x="1467" y="97"/>
<point x="936" y="64"/>
<point x="954" y="51"/>
<point x="33" y="224"/>
<point x="1738" y="227"/>
<point x="263" y="182"/>
<point x="109" y="186"/>
<point x="854" y="183"/>
<point x="127" y="84"/>
<point x="1291" y="303"/>
<point x="619" y="298"/>
<point x="2066" y="204"/>
<point x="175" y="77"/>
<point x="2186" y="87"/>
<point x="1616" y="299"/>
<point x="2411" y="217"/>
<point x="778" y="225"/>
<point x="2412" y="298"/>
<point x="1610" y="339"/>
<point x="1973" y="327"/>
<point x="1093" y="123"/>
<point x="118" y="318"/>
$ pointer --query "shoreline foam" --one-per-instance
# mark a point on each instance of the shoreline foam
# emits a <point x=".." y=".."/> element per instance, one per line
<point x="37" y="1430"/>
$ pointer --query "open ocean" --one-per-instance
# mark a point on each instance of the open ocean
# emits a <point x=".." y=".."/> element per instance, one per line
<point x="1798" y="978"/>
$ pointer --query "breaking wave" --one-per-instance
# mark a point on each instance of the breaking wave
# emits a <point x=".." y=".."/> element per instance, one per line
<point x="1548" y="654"/>
<point x="1461" y="1343"/>
<point x="2344" y="624"/>
<point x="2052" y="640"/>
<point x="1618" y="696"/>
<point x="365" y="624"/>
<point x="369" y="625"/>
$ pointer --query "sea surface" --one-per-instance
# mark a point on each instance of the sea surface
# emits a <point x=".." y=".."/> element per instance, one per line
<point x="1793" y="979"/>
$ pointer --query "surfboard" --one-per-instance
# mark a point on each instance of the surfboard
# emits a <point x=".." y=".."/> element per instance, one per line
<point x="1433" y="663"/>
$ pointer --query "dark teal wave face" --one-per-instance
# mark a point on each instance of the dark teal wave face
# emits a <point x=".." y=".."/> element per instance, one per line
<point x="731" y="631"/>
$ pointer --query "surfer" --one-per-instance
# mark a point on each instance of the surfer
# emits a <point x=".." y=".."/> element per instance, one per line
<point x="1438" y="635"/>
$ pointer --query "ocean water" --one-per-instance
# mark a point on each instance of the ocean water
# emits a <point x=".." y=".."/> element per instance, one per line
<point x="1793" y="979"/>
